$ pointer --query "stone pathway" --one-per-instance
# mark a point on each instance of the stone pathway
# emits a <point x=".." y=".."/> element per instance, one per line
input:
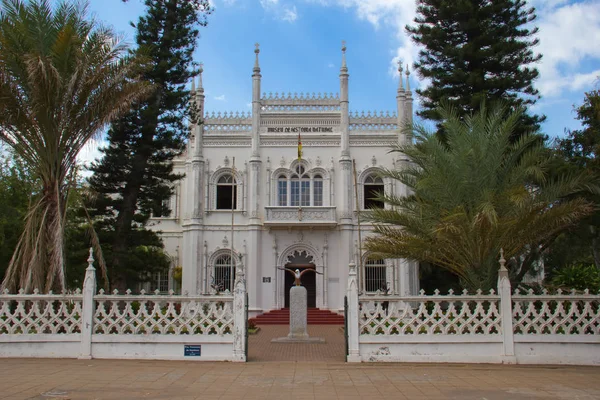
<point x="261" y="349"/>
<point x="110" y="379"/>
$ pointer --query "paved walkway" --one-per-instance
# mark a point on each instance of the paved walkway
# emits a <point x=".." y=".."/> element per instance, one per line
<point x="260" y="347"/>
<point x="109" y="379"/>
<point x="290" y="371"/>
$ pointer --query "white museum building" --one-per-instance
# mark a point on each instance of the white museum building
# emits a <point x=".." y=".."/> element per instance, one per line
<point x="248" y="199"/>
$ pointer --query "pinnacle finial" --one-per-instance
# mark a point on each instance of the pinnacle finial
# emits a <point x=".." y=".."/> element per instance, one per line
<point x="502" y="261"/>
<point x="200" y="71"/>
<point x="400" y="83"/>
<point x="344" y="68"/>
<point x="256" y="51"/>
<point x="407" y="78"/>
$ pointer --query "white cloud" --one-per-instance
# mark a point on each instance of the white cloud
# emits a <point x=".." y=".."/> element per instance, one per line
<point x="280" y="11"/>
<point x="393" y="14"/>
<point x="220" y="98"/>
<point x="290" y="14"/>
<point x="330" y="65"/>
<point x="569" y="35"/>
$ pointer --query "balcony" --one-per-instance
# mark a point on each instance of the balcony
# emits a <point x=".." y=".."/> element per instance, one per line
<point x="307" y="217"/>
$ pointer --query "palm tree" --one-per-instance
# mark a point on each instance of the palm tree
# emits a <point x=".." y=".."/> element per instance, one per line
<point x="63" y="78"/>
<point x="475" y="194"/>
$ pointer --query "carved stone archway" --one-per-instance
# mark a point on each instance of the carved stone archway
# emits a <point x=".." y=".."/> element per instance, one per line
<point x="296" y="252"/>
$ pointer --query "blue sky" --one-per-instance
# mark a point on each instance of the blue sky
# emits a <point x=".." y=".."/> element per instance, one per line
<point x="300" y="50"/>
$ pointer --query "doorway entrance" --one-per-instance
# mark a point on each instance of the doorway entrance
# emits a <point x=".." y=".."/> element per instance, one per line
<point x="309" y="281"/>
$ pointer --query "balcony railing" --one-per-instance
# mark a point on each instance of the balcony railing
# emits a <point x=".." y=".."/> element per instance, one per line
<point x="300" y="216"/>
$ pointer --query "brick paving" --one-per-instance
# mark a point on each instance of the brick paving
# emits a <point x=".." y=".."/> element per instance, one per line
<point x="113" y="379"/>
<point x="261" y="349"/>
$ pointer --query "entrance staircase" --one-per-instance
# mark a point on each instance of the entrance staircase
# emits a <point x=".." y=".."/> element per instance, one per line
<point x="315" y="316"/>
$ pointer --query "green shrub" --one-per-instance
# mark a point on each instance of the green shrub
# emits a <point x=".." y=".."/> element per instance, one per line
<point x="578" y="277"/>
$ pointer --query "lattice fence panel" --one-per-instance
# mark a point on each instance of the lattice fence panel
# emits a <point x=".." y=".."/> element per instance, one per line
<point x="566" y="314"/>
<point x="164" y="315"/>
<point x="430" y="315"/>
<point x="40" y="313"/>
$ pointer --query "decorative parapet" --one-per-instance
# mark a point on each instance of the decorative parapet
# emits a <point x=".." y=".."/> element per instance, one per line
<point x="300" y="102"/>
<point x="300" y="216"/>
<point x="373" y="122"/>
<point x="227" y="122"/>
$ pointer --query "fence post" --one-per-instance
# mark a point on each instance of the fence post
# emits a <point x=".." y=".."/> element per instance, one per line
<point x="240" y="329"/>
<point x="352" y="323"/>
<point x="504" y="291"/>
<point x="87" y="308"/>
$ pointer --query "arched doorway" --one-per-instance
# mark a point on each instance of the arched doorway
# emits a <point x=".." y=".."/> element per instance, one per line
<point x="301" y="260"/>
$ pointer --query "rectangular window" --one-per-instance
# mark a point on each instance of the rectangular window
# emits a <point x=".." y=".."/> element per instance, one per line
<point x="295" y="195"/>
<point x="318" y="193"/>
<point x="224" y="277"/>
<point x="160" y="281"/>
<point x="282" y="193"/>
<point x="305" y="197"/>
<point x="375" y="276"/>
<point x="225" y="197"/>
<point x="370" y="193"/>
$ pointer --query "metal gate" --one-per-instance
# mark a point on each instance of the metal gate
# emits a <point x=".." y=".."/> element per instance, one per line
<point x="346" y="324"/>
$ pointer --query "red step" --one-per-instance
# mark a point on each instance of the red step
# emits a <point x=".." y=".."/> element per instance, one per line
<point x="314" y="316"/>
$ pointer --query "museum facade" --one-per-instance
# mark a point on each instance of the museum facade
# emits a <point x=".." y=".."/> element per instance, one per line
<point x="275" y="188"/>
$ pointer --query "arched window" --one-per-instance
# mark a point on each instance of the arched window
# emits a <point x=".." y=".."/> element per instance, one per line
<point x="375" y="275"/>
<point x="372" y="188"/>
<point x="224" y="273"/>
<point x="300" y="189"/>
<point x="226" y="193"/>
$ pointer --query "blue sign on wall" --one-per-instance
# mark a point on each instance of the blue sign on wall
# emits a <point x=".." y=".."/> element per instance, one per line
<point x="192" y="350"/>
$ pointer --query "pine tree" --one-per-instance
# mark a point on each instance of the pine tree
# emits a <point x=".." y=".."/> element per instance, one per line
<point x="135" y="174"/>
<point x="475" y="51"/>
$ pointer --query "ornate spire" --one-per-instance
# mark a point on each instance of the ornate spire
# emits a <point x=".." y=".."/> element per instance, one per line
<point x="400" y="83"/>
<point x="256" y="69"/>
<point x="200" y="71"/>
<point x="344" y="68"/>
<point x="407" y="78"/>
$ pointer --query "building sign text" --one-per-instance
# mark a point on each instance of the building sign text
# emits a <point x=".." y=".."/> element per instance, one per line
<point x="302" y="129"/>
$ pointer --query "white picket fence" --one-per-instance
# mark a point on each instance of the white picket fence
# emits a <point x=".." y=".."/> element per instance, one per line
<point x="494" y="327"/>
<point x="145" y="326"/>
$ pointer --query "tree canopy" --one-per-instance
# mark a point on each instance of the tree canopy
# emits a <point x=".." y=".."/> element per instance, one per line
<point x="63" y="78"/>
<point x="474" y="194"/>
<point x="475" y="51"/>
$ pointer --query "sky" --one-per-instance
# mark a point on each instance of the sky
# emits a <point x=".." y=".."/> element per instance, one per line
<point x="300" y="43"/>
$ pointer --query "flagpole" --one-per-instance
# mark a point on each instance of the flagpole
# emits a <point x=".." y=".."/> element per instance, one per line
<point x="233" y="201"/>
<point x="359" y="263"/>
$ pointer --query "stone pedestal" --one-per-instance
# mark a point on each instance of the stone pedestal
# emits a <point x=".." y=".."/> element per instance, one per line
<point x="298" y="313"/>
<point x="298" y="319"/>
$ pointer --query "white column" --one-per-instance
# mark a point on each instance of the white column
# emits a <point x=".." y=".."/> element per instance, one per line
<point x="239" y="317"/>
<point x="87" y="309"/>
<point x="352" y="294"/>
<point x="508" y="345"/>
